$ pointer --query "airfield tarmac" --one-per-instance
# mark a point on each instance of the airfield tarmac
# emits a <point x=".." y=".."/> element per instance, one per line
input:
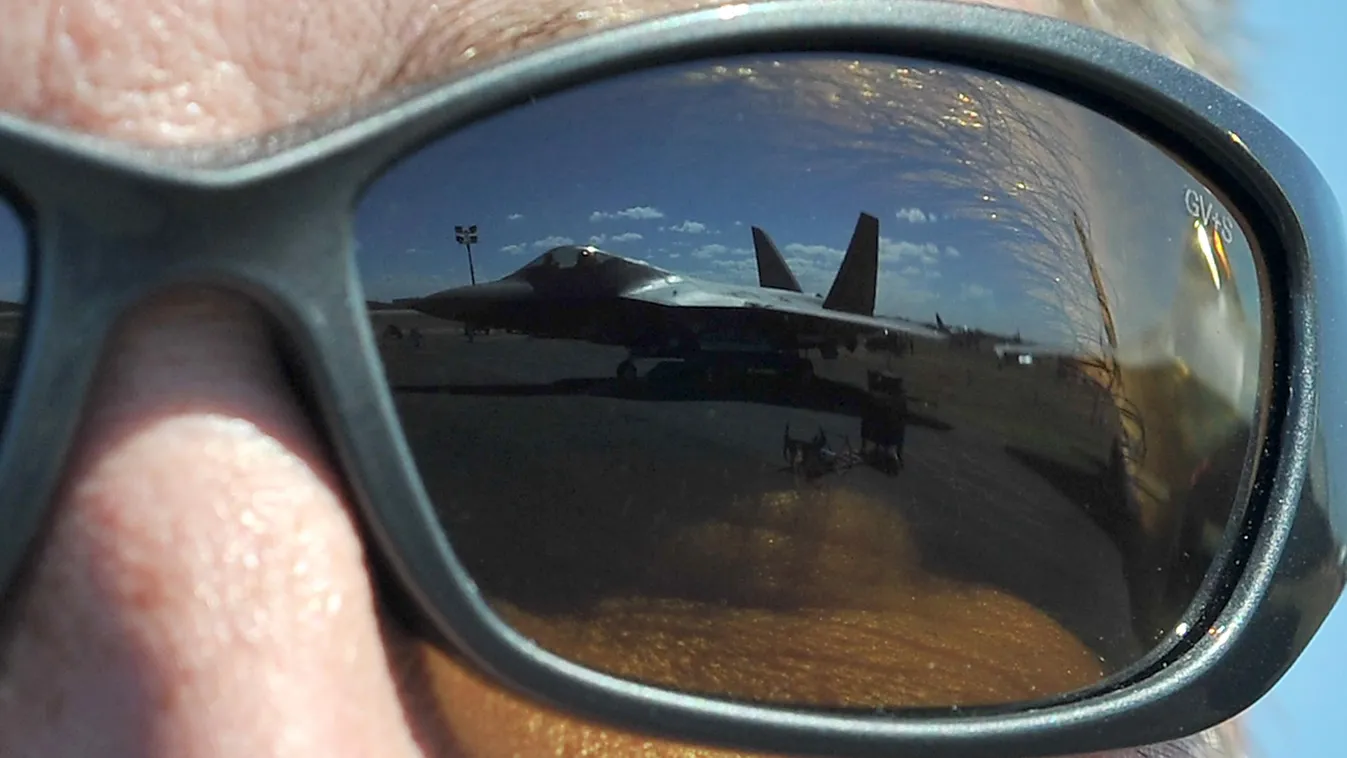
<point x="656" y="536"/>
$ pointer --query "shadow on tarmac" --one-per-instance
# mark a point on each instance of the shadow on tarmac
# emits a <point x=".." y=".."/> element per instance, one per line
<point x="821" y="395"/>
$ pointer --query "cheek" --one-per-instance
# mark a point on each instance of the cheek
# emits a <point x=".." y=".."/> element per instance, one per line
<point x="487" y="722"/>
<point x="477" y="720"/>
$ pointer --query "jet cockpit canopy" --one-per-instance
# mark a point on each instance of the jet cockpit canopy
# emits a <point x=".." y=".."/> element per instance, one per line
<point x="568" y="256"/>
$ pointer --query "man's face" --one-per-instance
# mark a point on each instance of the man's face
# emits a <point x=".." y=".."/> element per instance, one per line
<point x="202" y="589"/>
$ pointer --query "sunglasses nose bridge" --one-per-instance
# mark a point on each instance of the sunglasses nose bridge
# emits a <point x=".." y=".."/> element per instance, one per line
<point x="278" y="246"/>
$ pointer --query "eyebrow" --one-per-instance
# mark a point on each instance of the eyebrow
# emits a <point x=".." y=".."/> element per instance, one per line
<point x="486" y="30"/>
<point x="436" y="42"/>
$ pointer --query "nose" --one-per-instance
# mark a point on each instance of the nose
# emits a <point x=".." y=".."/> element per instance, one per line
<point x="201" y="589"/>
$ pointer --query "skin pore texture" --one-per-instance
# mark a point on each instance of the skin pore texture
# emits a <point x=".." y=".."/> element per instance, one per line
<point x="202" y="589"/>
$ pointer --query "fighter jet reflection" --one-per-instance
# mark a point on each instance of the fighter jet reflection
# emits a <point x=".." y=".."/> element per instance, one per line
<point x="584" y="293"/>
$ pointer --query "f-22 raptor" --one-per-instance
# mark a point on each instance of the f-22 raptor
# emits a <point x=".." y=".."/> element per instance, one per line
<point x="583" y="293"/>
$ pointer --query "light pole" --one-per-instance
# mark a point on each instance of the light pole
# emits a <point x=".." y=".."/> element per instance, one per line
<point x="466" y="236"/>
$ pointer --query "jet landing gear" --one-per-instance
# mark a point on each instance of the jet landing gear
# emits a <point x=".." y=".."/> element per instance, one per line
<point x="626" y="370"/>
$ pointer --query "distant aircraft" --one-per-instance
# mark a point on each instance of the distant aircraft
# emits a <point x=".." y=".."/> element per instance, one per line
<point x="584" y="293"/>
<point x="969" y="337"/>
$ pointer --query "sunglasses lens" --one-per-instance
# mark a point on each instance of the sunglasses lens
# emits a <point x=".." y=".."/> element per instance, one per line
<point x="13" y="297"/>
<point x="818" y="381"/>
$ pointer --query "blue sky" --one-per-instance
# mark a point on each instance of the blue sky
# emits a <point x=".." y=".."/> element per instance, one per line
<point x="674" y="168"/>
<point x="1295" y="64"/>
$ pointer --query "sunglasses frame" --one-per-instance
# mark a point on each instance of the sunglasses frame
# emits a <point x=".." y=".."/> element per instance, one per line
<point x="270" y="218"/>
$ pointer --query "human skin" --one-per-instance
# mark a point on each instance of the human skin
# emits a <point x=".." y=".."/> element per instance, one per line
<point x="202" y="589"/>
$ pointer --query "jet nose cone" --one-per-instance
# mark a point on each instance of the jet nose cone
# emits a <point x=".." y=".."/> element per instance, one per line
<point x="461" y="302"/>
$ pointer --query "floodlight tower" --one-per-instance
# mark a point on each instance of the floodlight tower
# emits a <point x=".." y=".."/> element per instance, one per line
<point x="467" y="237"/>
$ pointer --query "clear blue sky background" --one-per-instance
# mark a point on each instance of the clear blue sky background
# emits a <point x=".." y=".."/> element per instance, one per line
<point x="1296" y="58"/>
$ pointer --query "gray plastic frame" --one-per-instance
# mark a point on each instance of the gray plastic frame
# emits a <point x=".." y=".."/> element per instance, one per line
<point x="270" y="218"/>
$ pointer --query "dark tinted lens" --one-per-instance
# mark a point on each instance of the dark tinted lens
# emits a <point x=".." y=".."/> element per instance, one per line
<point x="820" y="381"/>
<point x="13" y="297"/>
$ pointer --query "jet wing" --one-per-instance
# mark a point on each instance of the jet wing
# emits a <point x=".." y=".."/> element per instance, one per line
<point x="691" y="294"/>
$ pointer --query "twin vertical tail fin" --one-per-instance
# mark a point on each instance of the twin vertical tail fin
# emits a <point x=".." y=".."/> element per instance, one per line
<point x="853" y="291"/>
<point x="773" y="272"/>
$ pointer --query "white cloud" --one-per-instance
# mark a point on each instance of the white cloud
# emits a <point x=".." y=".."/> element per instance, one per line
<point x="796" y="250"/>
<point x="899" y="297"/>
<point x="514" y="217"/>
<point x="815" y="266"/>
<point x="734" y="269"/>
<point x="915" y="216"/>
<point x="719" y="263"/>
<point x="512" y="249"/>
<point x="901" y="270"/>
<point x="599" y="239"/>
<point x="553" y="241"/>
<point x="928" y="253"/>
<point x="688" y="227"/>
<point x="974" y="292"/>
<point x="900" y="250"/>
<point x="707" y="252"/>
<point x="637" y="212"/>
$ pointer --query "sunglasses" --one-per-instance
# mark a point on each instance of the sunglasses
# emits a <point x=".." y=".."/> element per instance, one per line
<point x="805" y="377"/>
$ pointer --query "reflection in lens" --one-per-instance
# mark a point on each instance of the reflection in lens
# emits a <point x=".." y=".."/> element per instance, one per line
<point x="829" y="382"/>
<point x="13" y="298"/>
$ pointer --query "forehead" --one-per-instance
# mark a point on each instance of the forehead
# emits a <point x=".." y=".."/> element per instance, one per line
<point x="226" y="69"/>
